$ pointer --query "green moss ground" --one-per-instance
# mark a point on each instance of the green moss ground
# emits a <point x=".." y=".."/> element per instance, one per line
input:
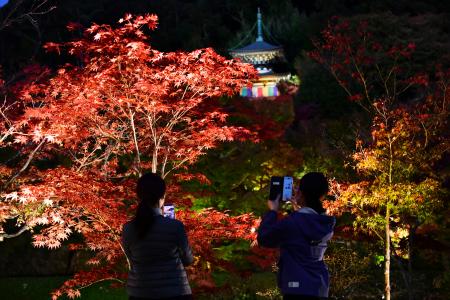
<point x="37" y="288"/>
<point x="258" y="286"/>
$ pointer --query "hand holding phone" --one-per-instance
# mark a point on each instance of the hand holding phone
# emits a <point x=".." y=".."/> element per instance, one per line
<point x="274" y="204"/>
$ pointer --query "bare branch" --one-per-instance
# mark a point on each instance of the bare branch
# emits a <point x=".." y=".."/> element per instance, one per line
<point x="14" y="16"/>
<point x="101" y="280"/>
<point x="133" y="128"/>
<point x="27" y="163"/>
<point x="13" y="235"/>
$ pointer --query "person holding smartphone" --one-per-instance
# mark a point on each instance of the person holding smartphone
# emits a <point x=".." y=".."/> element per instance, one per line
<point x="156" y="247"/>
<point x="302" y="237"/>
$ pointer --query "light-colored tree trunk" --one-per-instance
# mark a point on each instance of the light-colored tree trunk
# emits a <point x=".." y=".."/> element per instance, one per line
<point x="387" y="260"/>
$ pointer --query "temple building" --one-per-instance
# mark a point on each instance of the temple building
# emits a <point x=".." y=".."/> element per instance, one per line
<point x="263" y="56"/>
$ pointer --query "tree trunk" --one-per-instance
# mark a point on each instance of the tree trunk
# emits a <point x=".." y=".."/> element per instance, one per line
<point x="155" y="161"/>
<point x="387" y="260"/>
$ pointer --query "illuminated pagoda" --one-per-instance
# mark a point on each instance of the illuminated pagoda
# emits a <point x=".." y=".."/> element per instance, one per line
<point x="262" y="55"/>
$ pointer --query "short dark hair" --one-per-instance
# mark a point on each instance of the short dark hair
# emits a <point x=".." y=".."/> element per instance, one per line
<point x="314" y="185"/>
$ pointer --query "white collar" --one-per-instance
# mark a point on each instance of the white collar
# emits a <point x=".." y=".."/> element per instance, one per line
<point x="307" y="210"/>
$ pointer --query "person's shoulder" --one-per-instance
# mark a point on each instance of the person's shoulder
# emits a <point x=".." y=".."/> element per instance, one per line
<point x="316" y="218"/>
<point x="287" y="219"/>
<point x="332" y="220"/>
<point x="296" y="216"/>
<point x="299" y="214"/>
<point x="172" y="222"/>
<point x="177" y="223"/>
<point x="128" y="227"/>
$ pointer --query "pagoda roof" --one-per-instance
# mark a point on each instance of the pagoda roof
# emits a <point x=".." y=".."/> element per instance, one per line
<point x="258" y="46"/>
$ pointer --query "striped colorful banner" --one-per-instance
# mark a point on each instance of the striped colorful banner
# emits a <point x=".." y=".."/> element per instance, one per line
<point x="260" y="91"/>
<point x="246" y="92"/>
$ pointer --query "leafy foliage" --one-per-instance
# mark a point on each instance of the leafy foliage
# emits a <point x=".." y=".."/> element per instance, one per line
<point x="399" y="187"/>
<point x="128" y="108"/>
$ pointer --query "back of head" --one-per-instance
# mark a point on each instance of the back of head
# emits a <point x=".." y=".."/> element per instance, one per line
<point x="150" y="189"/>
<point x="313" y="186"/>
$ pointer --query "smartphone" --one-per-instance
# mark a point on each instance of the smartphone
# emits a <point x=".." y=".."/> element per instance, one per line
<point x="281" y="185"/>
<point x="169" y="211"/>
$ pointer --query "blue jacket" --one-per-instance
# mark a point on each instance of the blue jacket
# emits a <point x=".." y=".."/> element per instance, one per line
<point x="302" y="239"/>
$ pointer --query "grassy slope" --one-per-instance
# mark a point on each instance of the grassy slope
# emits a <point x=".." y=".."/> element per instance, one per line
<point x="258" y="286"/>
<point x="37" y="288"/>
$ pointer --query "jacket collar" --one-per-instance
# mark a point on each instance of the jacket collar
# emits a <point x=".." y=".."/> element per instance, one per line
<point x="156" y="211"/>
<point x="307" y="210"/>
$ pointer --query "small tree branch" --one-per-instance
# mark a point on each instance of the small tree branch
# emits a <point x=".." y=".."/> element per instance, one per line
<point x="101" y="280"/>
<point x="13" y="235"/>
<point x="133" y="128"/>
<point x="35" y="10"/>
<point x="27" y="163"/>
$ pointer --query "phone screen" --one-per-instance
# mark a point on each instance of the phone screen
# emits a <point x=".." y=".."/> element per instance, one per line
<point x="169" y="211"/>
<point x="287" y="188"/>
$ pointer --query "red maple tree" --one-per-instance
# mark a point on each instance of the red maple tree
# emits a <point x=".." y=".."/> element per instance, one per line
<point x="121" y="109"/>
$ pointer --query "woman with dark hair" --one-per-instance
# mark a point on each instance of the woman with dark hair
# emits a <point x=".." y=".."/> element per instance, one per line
<point x="156" y="247"/>
<point x="302" y="238"/>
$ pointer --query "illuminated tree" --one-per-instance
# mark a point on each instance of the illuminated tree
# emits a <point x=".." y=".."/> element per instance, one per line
<point x="399" y="188"/>
<point x="127" y="108"/>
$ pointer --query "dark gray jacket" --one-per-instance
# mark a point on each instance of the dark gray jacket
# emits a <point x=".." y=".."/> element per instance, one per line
<point x="158" y="260"/>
